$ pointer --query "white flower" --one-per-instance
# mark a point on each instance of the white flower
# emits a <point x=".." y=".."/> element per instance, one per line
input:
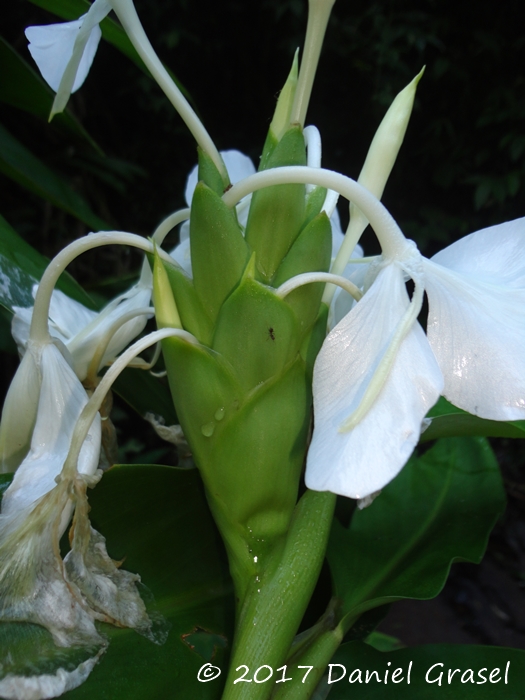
<point x="89" y="334"/>
<point x="64" y="52"/>
<point x="377" y="374"/>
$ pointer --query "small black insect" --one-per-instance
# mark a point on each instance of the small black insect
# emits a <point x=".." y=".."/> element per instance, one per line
<point x="271" y="333"/>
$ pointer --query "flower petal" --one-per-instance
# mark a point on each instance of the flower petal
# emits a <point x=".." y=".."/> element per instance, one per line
<point x="62" y="398"/>
<point x="359" y="462"/>
<point x="67" y="317"/>
<point x="477" y="331"/>
<point x="495" y="254"/>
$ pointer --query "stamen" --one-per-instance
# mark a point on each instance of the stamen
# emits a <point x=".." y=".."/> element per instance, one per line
<point x="106" y="339"/>
<point x="169" y="223"/>
<point x="309" y="277"/>
<point x="392" y="240"/>
<point x="318" y="16"/>
<point x="127" y="15"/>
<point x="385" y="365"/>
<point x="93" y="405"/>
<point x="39" y="331"/>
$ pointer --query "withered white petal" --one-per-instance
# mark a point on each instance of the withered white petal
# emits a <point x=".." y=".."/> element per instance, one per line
<point x="363" y="460"/>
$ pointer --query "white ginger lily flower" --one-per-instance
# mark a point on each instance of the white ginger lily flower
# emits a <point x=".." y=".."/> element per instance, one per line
<point x="377" y="374"/>
<point x="91" y="336"/>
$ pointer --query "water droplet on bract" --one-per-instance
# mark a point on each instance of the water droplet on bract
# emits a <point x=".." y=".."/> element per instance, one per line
<point x="219" y="413"/>
<point x="207" y="430"/>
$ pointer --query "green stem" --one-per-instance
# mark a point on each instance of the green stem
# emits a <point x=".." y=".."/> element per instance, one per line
<point x="317" y="657"/>
<point x="274" y="606"/>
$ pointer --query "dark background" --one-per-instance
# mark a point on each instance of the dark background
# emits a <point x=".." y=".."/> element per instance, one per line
<point x="461" y="168"/>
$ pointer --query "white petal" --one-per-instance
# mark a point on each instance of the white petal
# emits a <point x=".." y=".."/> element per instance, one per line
<point x="84" y="344"/>
<point x="477" y="331"/>
<point x="67" y="317"/>
<point x="182" y="252"/>
<point x="19" y="414"/>
<point x="495" y="254"/>
<point x="51" y="47"/>
<point x="62" y="398"/>
<point x="359" y="462"/>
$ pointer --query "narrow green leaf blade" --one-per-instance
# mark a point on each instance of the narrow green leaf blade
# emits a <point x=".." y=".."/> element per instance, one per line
<point x="19" y="164"/>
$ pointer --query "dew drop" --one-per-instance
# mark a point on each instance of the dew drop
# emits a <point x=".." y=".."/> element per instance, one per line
<point x="208" y="428"/>
<point x="219" y="413"/>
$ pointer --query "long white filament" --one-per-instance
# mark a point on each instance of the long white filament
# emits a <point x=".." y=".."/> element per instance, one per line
<point x="310" y="277"/>
<point x="93" y="405"/>
<point x="392" y="240"/>
<point x="39" y="331"/>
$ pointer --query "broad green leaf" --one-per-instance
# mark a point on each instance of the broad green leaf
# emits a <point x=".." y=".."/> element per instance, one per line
<point x="111" y="31"/>
<point x="441" y="508"/>
<point x="157" y="520"/>
<point x="19" y="164"/>
<point x="22" y="87"/>
<point x="357" y="659"/>
<point x="21" y="266"/>
<point x="450" y="421"/>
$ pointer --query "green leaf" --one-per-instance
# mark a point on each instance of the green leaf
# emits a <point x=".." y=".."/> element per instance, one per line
<point x="450" y="421"/>
<point x="19" y="164"/>
<point x="111" y="31"/>
<point x="22" y="87"/>
<point x="465" y="685"/>
<point x="156" y="518"/>
<point x="439" y="509"/>
<point x="21" y="266"/>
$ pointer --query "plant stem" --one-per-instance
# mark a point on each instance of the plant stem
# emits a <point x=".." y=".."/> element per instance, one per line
<point x="274" y="606"/>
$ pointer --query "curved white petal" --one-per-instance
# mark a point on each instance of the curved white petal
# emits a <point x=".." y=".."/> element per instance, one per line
<point x="67" y="317"/>
<point x="83" y="345"/>
<point x="359" y="462"/>
<point x="495" y="254"/>
<point x="19" y="414"/>
<point x="182" y="253"/>
<point x="62" y="398"/>
<point x="477" y="331"/>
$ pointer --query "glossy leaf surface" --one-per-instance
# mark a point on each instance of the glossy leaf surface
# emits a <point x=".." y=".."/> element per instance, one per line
<point x="441" y="508"/>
